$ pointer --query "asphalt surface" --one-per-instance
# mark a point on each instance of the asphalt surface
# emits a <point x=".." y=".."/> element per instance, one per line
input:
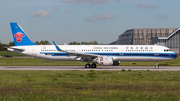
<point x="113" y="68"/>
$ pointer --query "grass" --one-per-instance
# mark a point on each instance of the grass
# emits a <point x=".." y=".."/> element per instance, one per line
<point x="174" y="62"/>
<point x="90" y="85"/>
<point x="41" y="62"/>
<point x="37" y="62"/>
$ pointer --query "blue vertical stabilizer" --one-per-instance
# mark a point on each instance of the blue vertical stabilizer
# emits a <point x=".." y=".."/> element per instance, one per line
<point x="19" y="36"/>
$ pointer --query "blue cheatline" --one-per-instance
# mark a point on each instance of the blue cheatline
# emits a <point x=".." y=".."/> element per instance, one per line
<point x="19" y="36"/>
<point x="116" y="54"/>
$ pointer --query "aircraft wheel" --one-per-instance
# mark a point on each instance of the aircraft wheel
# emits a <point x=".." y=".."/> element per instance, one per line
<point x="87" y="66"/>
<point x="157" y="67"/>
<point x="93" y="65"/>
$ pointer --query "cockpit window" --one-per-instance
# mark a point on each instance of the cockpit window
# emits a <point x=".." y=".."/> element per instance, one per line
<point x="167" y="50"/>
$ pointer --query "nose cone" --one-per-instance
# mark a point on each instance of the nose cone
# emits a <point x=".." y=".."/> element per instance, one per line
<point x="174" y="55"/>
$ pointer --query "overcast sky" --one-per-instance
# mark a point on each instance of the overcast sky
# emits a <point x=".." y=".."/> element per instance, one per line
<point x="64" y="21"/>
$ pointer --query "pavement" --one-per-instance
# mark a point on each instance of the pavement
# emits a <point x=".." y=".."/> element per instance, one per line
<point x="110" y="68"/>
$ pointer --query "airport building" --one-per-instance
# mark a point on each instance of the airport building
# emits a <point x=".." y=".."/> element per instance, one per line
<point x="169" y="37"/>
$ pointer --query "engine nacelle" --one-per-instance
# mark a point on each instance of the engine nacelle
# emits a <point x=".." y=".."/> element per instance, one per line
<point x="107" y="61"/>
<point x="116" y="63"/>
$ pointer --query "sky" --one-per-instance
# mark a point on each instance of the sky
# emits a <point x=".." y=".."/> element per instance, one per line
<point x="65" y="21"/>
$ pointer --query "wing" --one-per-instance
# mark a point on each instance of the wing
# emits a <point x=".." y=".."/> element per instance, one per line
<point x="81" y="55"/>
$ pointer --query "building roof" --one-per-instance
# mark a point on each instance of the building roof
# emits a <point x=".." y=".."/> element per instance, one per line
<point x="170" y="34"/>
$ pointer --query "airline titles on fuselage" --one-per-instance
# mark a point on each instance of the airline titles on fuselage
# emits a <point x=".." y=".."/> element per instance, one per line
<point x="105" y="47"/>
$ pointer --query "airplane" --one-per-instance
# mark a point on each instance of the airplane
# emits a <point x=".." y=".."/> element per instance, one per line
<point x="104" y="55"/>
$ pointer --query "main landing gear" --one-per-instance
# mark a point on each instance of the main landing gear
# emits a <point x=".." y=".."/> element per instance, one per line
<point x="157" y="67"/>
<point x="90" y="66"/>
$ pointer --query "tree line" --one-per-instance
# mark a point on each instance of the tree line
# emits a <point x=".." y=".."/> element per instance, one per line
<point x="84" y="43"/>
<point x="3" y="47"/>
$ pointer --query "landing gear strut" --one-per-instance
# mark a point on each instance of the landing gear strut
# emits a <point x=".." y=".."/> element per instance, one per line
<point x="157" y="67"/>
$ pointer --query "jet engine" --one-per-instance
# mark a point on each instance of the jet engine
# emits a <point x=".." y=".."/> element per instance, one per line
<point x="107" y="61"/>
<point x="116" y="63"/>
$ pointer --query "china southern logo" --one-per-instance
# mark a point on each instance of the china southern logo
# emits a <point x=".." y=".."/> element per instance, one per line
<point x="19" y="36"/>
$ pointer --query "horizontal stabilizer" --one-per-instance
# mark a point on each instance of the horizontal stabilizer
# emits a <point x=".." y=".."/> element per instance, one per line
<point x="15" y="48"/>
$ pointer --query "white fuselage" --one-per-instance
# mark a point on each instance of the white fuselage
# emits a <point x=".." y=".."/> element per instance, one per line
<point x="117" y="52"/>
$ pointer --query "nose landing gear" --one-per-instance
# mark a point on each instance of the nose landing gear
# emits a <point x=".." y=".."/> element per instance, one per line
<point x="157" y="67"/>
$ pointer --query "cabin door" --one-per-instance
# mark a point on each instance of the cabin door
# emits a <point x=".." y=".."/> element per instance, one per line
<point x="156" y="50"/>
<point x="121" y="52"/>
<point x="34" y="51"/>
<point x="79" y="49"/>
